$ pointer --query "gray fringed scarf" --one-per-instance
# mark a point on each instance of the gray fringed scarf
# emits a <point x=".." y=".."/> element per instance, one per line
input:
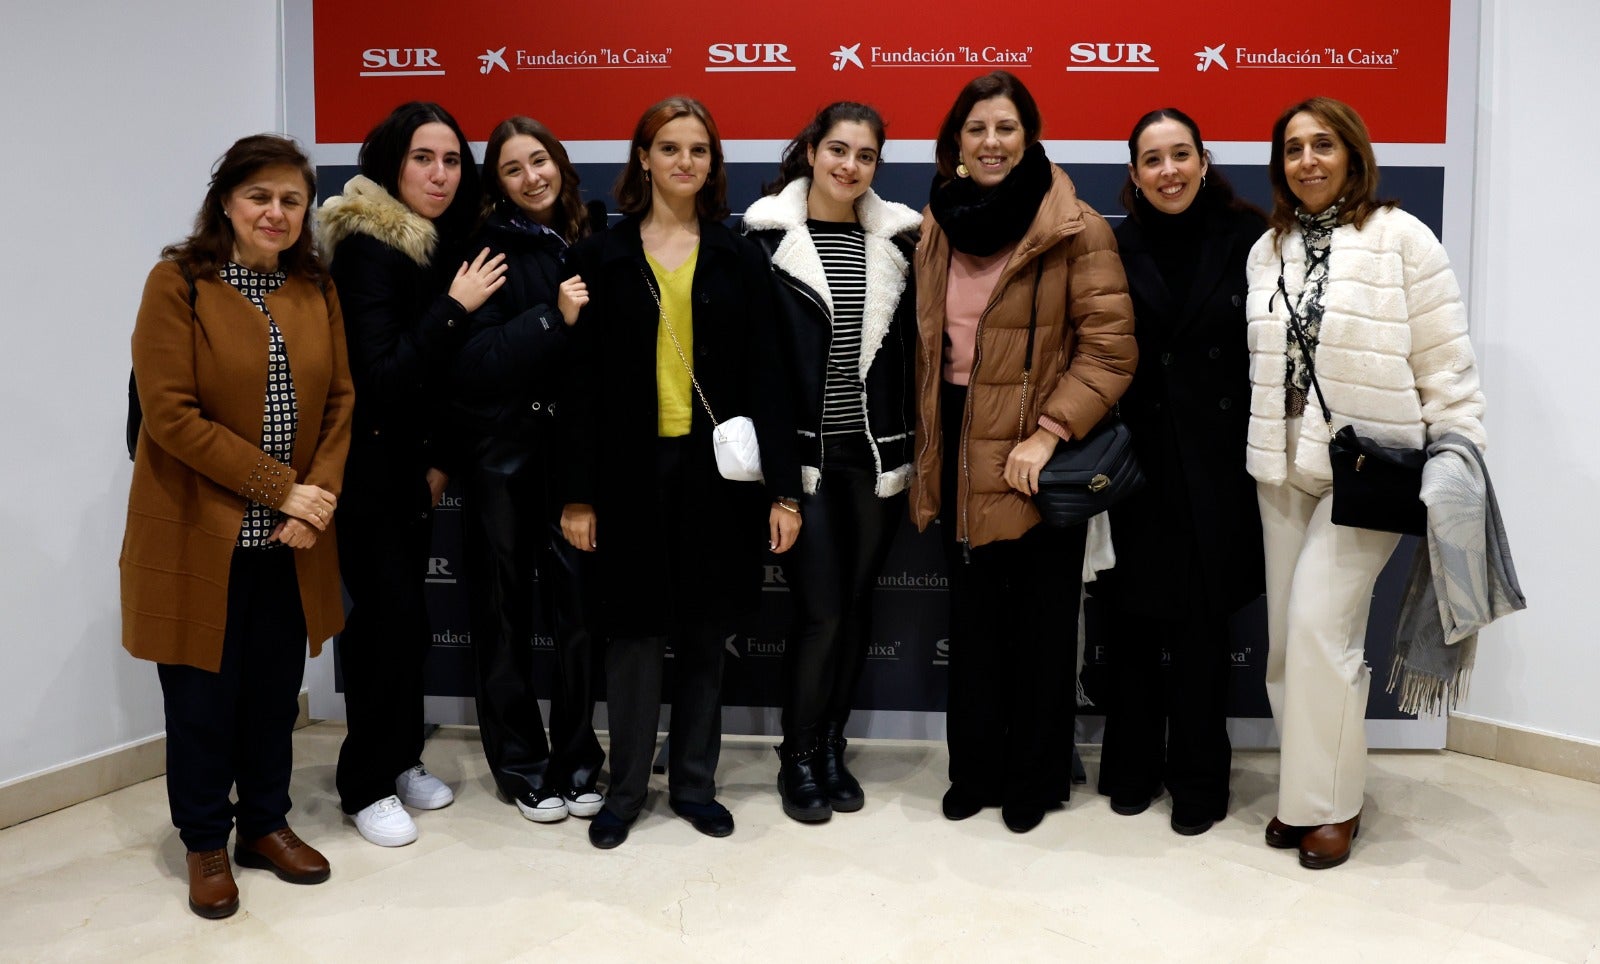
<point x="1461" y="580"/>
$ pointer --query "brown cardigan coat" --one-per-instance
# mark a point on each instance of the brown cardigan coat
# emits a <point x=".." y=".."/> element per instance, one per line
<point x="202" y="384"/>
<point x="1084" y="357"/>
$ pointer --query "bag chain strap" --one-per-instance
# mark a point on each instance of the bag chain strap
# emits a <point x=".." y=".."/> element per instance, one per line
<point x="648" y="283"/>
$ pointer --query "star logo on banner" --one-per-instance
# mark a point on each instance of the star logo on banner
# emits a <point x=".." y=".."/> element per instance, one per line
<point x="1209" y="56"/>
<point x="492" y="59"/>
<point x="847" y="55"/>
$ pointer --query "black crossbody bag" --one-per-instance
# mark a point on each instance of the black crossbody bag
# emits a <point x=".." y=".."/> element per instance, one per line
<point x="1084" y="477"/>
<point x="1375" y="486"/>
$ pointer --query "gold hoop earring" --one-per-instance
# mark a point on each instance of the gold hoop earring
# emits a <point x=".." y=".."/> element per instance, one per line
<point x="961" y="171"/>
<point x="647" y="176"/>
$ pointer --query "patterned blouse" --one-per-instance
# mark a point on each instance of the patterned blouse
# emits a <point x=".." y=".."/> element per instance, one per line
<point x="1317" y="232"/>
<point x="280" y="411"/>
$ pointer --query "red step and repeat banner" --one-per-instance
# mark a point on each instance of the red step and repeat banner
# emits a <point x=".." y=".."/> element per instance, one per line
<point x="589" y="70"/>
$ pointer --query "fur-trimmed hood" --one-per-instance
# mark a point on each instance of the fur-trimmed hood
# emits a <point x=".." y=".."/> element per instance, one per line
<point x="796" y="255"/>
<point x="366" y="208"/>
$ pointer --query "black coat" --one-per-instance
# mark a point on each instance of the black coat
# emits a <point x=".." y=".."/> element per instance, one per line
<point x="507" y="376"/>
<point x="649" y="584"/>
<point x="403" y="332"/>
<point x="1189" y="543"/>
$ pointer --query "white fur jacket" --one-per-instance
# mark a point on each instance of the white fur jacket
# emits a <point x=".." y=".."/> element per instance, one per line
<point x="888" y="325"/>
<point x="1392" y="358"/>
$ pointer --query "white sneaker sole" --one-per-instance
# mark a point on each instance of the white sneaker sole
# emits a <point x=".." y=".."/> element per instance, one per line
<point x="374" y="836"/>
<point x="543" y="814"/>
<point x="585" y="809"/>
<point x="436" y="802"/>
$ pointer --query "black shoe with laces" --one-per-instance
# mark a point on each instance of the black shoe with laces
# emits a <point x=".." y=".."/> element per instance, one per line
<point x="798" y="784"/>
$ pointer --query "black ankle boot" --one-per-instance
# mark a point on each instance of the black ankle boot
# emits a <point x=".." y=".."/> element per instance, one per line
<point x="844" y="792"/>
<point x="798" y="784"/>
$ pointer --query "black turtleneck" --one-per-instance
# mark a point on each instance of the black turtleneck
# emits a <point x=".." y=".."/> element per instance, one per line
<point x="1174" y="242"/>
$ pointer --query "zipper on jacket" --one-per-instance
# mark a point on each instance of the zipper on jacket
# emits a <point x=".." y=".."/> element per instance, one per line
<point x="828" y="317"/>
<point x="964" y="535"/>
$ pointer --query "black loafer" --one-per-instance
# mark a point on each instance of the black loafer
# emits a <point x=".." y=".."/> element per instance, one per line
<point x="608" y="830"/>
<point x="1022" y="817"/>
<point x="1130" y="807"/>
<point x="711" y="819"/>
<point x="1192" y="821"/>
<point x="959" y="804"/>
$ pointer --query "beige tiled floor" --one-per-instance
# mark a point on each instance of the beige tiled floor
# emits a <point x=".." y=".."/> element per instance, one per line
<point x="1460" y="859"/>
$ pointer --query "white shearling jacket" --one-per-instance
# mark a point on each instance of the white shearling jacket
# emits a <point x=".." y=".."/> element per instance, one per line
<point x="1392" y="358"/>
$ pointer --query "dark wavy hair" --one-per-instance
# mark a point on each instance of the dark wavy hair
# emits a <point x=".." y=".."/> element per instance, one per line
<point x="1001" y="83"/>
<point x="633" y="191"/>
<point x="384" y="152"/>
<point x="571" y="219"/>
<point x="210" y="245"/>
<point x="1361" y="190"/>
<point x="1215" y="190"/>
<point x="794" y="164"/>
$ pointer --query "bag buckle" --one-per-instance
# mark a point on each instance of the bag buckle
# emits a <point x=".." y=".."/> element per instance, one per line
<point x="1360" y="460"/>
<point x="1099" y="482"/>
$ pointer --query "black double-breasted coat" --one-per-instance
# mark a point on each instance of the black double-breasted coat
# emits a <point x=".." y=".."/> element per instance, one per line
<point x="1189" y="543"/>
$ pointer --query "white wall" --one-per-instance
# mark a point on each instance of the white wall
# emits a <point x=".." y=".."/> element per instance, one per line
<point x="1537" y="333"/>
<point x="114" y="114"/>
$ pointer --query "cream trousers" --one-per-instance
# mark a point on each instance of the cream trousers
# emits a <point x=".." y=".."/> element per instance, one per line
<point x="1319" y="593"/>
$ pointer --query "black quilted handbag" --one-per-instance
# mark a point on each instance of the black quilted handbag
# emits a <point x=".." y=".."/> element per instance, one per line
<point x="1375" y="486"/>
<point x="1085" y="476"/>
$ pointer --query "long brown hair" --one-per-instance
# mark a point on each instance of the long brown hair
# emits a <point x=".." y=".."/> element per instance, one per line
<point x="633" y="191"/>
<point x="210" y="245"/>
<point x="1361" y="190"/>
<point x="1215" y="188"/>
<point x="571" y="217"/>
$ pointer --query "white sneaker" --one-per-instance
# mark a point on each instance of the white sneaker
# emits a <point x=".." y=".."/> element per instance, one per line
<point x="584" y="803"/>
<point x="421" y="790"/>
<point x="386" y="823"/>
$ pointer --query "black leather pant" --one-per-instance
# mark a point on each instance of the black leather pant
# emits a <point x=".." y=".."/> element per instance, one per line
<point x="512" y="538"/>
<point x="832" y="572"/>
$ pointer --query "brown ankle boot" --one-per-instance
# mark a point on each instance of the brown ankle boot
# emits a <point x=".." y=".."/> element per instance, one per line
<point x="1329" y="845"/>
<point x="212" y="892"/>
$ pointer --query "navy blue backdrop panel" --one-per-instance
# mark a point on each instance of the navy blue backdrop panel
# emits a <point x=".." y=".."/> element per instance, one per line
<point x="906" y="661"/>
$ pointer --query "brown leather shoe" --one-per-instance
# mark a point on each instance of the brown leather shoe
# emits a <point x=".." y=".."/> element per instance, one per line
<point x="212" y="892"/>
<point x="1329" y="845"/>
<point x="1285" y="836"/>
<point x="284" y="854"/>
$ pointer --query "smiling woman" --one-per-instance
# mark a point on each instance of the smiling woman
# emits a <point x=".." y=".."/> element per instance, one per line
<point x="507" y="386"/>
<point x="226" y="481"/>
<point x="846" y="317"/>
<point x="1008" y="249"/>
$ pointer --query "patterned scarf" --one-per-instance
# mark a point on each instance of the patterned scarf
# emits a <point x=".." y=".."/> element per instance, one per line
<point x="1317" y="232"/>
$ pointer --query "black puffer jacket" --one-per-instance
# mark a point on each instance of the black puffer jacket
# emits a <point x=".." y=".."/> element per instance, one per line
<point x="507" y="376"/>
<point x="805" y="324"/>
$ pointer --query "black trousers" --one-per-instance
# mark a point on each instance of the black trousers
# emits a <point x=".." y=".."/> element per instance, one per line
<point x="513" y="540"/>
<point x="634" y="670"/>
<point x="383" y="558"/>
<point x="832" y="572"/>
<point x="1168" y="727"/>
<point x="232" y="729"/>
<point x="1013" y="650"/>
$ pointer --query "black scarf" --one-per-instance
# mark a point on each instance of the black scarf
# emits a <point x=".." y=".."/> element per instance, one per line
<point x="980" y="222"/>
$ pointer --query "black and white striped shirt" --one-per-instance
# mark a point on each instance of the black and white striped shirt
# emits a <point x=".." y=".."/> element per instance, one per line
<point x="843" y="250"/>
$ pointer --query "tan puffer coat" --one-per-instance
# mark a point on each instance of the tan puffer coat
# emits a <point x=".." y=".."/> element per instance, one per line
<point x="1084" y="357"/>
